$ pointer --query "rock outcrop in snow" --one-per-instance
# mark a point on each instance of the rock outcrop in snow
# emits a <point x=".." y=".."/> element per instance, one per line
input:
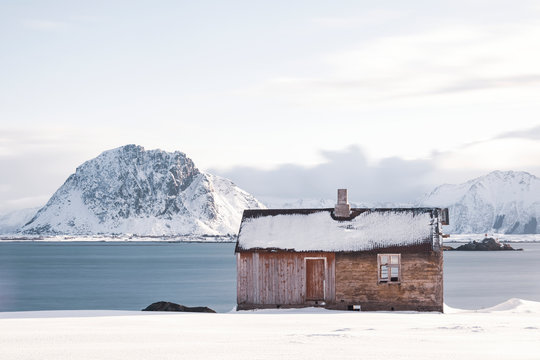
<point x="131" y="190"/>
<point x="501" y="201"/>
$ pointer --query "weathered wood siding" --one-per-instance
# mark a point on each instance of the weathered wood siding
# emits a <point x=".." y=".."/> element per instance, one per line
<point x="420" y="288"/>
<point x="278" y="279"/>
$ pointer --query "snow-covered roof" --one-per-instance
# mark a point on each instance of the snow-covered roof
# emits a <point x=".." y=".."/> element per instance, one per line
<point x="318" y="230"/>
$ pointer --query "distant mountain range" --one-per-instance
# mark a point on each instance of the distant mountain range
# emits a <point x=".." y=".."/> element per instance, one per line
<point x="11" y="222"/>
<point x="153" y="192"/>
<point x="501" y="201"/>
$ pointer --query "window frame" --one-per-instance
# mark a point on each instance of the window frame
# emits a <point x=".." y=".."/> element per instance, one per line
<point x="389" y="266"/>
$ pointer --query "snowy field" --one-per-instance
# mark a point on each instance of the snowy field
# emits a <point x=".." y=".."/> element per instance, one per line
<point x="507" y="331"/>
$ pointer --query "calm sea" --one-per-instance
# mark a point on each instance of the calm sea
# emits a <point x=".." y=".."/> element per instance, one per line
<point x="132" y="275"/>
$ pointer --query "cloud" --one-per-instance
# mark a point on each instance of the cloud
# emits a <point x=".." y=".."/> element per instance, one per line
<point x="392" y="179"/>
<point x="44" y="24"/>
<point x="32" y="177"/>
<point x="531" y="134"/>
<point x="34" y="163"/>
<point x="444" y="61"/>
<point x="350" y="86"/>
<point x="26" y="202"/>
<point x="17" y="141"/>
<point x="369" y="18"/>
<point x="493" y="83"/>
<point x="511" y="150"/>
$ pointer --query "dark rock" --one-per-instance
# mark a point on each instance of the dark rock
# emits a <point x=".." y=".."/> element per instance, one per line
<point x="169" y="306"/>
<point x="499" y="221"/>
<point x="514" y="228"/>
<point x="530" y="227"/>
<point x="488" y="244"/>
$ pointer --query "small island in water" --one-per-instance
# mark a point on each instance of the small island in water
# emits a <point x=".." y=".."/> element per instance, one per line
<point x="488" y="244"/>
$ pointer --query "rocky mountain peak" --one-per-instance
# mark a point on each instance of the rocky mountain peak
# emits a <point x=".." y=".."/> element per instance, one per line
<point x="501" y="201"/>
<point x="151" y="192"/>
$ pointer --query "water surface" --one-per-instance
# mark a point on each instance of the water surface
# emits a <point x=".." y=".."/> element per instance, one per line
<point x="478" y="279"/>
<point x="108" y="275"/>
<point x="132" y="275"/>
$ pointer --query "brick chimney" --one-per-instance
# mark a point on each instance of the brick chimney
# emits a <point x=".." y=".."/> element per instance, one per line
<point x="342" y="209"/>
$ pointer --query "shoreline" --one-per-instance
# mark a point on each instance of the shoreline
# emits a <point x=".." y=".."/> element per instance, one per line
<point x="131" y="238"/>
<point x="510" y="304"/>
<point x="122" y="239"/>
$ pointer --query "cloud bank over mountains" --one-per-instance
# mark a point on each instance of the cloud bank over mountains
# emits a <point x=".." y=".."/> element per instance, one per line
<point x="392" y="179"/>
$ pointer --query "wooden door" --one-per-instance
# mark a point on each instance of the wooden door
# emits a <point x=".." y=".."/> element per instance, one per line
<point x="314" y="279"/>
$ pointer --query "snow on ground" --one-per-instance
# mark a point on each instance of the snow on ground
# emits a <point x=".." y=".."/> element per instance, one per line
<point x="507" y="331"/>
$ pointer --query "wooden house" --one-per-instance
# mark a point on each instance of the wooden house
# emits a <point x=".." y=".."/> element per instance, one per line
<point x="341" y="258"/>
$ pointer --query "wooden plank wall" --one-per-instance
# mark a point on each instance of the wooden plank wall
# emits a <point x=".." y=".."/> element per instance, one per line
<point x="278" y="278"/>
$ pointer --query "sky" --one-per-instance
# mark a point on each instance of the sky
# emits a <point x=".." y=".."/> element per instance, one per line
<point x="287" y="98"/>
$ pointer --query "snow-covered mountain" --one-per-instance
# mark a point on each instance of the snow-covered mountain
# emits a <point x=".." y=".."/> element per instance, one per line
<point x="501" y="201"/>
<point x="10" y="222"/>
<point x="131" y="190"/>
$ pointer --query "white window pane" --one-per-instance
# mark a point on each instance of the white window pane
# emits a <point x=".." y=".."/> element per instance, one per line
<point x="394" y="259"/>
<point x="384" y="272"/>
<point x="384" y="259"/>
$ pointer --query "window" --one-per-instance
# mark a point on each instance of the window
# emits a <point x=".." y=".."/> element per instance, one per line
<point x="389" y="268"/>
